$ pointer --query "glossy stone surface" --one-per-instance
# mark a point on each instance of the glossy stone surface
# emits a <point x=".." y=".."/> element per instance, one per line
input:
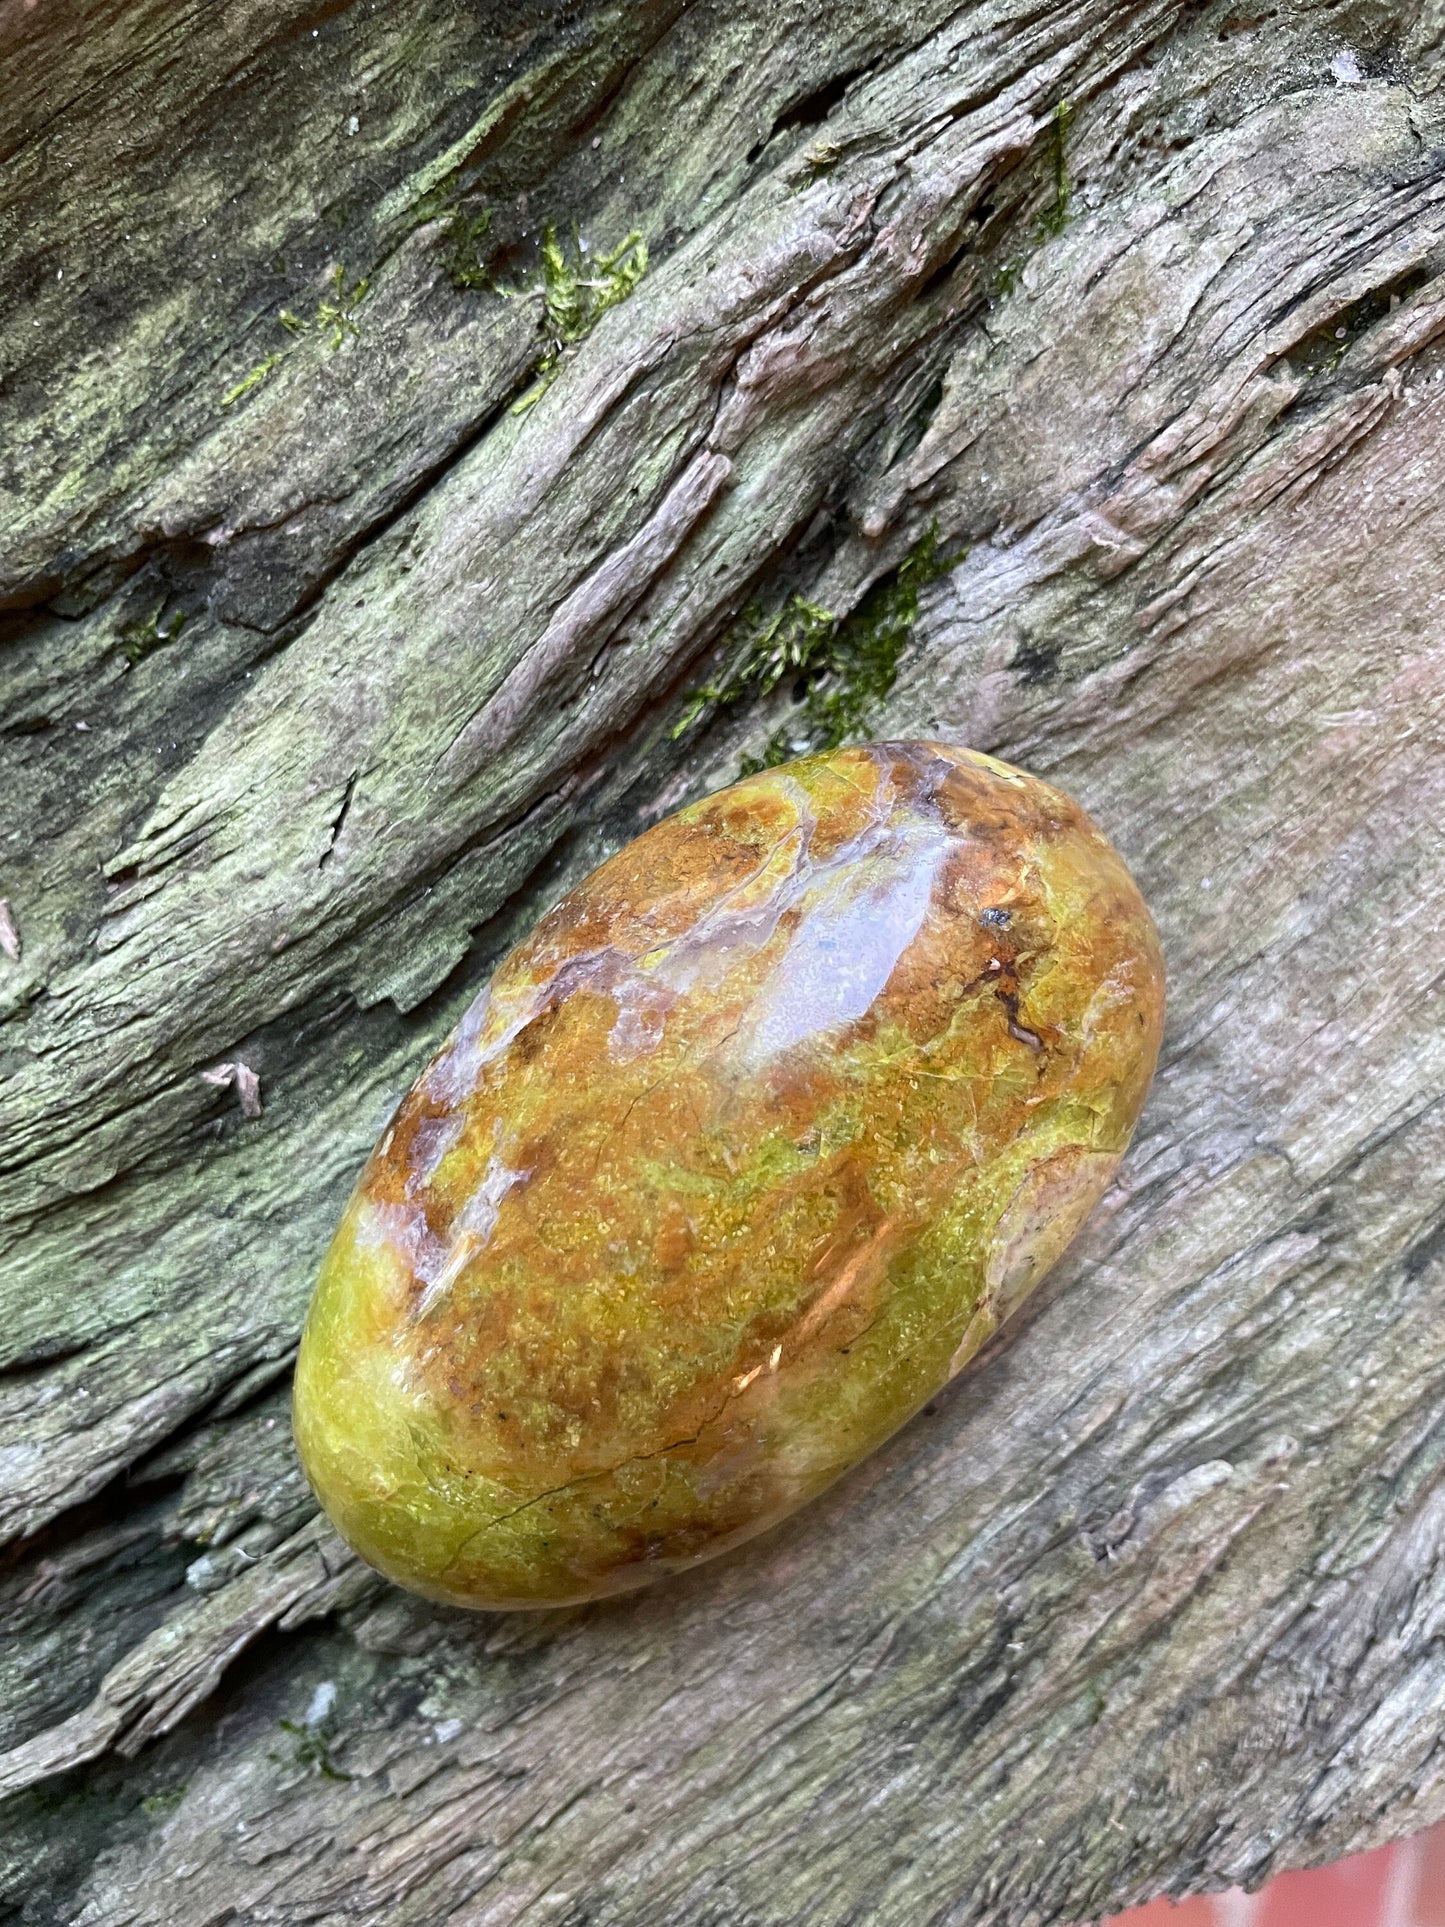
<point x="745" y="1151"/>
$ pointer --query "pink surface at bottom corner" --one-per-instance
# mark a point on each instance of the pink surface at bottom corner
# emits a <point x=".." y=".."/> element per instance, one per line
<point x="1400" y="1885"/>
<point x="1168" y="1913"/>
<point x="1351" y="1893"/>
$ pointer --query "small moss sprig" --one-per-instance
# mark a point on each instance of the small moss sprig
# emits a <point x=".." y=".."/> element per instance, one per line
<point x="577" y="291"/>
<point x="461" y="236"/>
<point x="335" y="313"/>
<point x="159" y="1806"/>
<point x="140" y="639"/>
<point x="796" y="641"/>
<point x="1056" y="217"/>
<point x="437" y="203"/>
<point x="263" y="371"/>
<point x="310" y="1750"/>
<point x="466" y="270"/>
<point x="842" y="666"/>
<point x="335" y="317"/>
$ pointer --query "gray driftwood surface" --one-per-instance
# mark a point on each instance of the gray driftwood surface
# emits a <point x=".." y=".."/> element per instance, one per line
<point x="313" y="696"/>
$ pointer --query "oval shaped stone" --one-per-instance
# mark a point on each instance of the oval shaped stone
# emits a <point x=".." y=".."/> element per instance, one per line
<point x="745" y="1150"/>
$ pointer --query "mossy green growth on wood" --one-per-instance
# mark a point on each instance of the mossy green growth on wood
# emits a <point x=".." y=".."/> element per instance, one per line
<point x="310" y="1750"/>
<point x="335" y="313"/>
<point x="462" y="259"/>
<point x="254" y="377"/>
<point x="335" y="316"/>
<point x="843" y="666"/>
<point x="577" y="290"/>
<point x="439" y="201"/>
<point x="159" y="1806"/>
<point x="141" y="639"/>
<point x="1056" y="217"/>
<point x="461" y="237"/>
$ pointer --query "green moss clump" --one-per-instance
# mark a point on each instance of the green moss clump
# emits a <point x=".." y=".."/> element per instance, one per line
<point x="577" y="290"/>
<point x="310" y="1750"/>
<point x="141" y="639"/>
<point x="463" y="258"/>
<point x="461" y="238"/>
<point x="796" y="640"/>
<point x="843" y="667"/>
<point x="156" y="1806"/>
<point x="436" y="204"/>
<point x="335" y="315"/>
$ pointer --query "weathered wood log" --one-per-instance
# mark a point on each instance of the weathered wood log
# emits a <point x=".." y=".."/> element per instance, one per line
<point x="386" y="536"/>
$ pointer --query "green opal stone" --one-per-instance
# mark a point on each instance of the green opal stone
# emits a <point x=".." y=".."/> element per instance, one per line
<point x="744" y="1152"/>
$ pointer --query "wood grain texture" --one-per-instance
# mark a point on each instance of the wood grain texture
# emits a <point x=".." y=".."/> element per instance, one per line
<point x="1142" y="308"/>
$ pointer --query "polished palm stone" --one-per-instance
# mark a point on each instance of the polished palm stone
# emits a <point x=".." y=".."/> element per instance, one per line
<point x="746" y="1149"/>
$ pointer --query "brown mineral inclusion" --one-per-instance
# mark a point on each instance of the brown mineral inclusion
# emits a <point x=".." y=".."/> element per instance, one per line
<point x="744" y="1152"/>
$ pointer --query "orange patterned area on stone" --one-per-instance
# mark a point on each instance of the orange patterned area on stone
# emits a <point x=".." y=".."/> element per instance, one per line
<point x="746" y="1149"/>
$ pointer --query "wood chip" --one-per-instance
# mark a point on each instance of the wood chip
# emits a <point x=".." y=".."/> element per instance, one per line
<point x="246" y="1081"/>
<point x="248" y="1087"/>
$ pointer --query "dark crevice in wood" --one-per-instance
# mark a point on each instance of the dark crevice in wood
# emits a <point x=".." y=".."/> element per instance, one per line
<point x="811" y="110"/>
<point x="114" y="1504"/>
<point x="341" y="816"/>
<point x="42" y="1360"/>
